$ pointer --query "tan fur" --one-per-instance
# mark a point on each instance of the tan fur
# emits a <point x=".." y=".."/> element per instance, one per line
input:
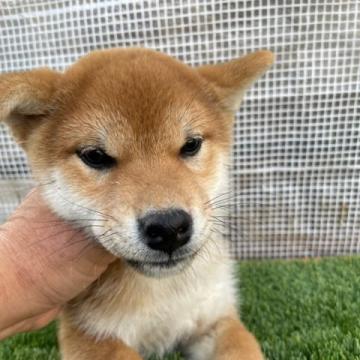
<point x="235" y="342"/>
<point x="139" y="106"/>
<point x="80" y="346"/>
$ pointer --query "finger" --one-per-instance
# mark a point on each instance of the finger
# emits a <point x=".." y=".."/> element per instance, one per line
<point x="63" y="240"/>
<point x="68" y="258"/>
<point x="30" y="324"/>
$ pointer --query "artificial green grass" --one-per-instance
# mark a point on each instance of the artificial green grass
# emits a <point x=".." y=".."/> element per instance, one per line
<point x="297" y="309"/>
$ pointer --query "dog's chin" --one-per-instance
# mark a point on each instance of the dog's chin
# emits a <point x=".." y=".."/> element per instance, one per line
<point x="160" y="269"/>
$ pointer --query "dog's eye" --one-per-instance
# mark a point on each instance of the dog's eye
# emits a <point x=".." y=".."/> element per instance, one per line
<point x="96" y="158"/>
<point x="191" y="146"/>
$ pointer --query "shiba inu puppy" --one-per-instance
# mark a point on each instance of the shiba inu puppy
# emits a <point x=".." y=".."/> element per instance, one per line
<point x="131" y="145"/>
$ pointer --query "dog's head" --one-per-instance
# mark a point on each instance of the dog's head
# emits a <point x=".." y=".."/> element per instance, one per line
<point x="131" y="145"/>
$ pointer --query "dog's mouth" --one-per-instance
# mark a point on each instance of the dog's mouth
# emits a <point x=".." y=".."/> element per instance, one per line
<point x="160" y="264"/>
<point x="161" y="268"/>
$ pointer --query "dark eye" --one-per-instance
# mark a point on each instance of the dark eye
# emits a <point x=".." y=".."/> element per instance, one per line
<point x="96" y="158"/>
<point x="191" y="147"/>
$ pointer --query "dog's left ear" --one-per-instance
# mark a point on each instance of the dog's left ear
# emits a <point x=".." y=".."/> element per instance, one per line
<point x="231" y="79"/>
<point x="25" y="98"/>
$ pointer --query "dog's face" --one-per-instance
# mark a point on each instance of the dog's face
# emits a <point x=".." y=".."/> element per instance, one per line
<point x="131" y="146"/>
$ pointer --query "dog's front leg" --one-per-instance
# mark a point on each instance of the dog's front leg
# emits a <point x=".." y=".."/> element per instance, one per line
<point x="228" y="339"/>
<point x="76" y="345"/>
<point x="234" y="342"/>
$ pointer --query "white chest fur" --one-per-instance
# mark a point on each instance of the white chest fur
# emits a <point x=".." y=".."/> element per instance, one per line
<point x="154" y="315"/>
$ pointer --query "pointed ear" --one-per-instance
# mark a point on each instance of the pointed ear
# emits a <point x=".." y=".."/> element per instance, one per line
<point x="24" y="99"/>
<point x="230" y="80"/>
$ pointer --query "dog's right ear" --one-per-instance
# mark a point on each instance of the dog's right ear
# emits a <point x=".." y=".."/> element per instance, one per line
<point x="25" y="98"/>
<point x="231" y="79"/>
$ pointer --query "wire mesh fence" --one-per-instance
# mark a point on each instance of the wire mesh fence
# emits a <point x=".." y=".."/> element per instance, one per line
<point x="296" y="170"/>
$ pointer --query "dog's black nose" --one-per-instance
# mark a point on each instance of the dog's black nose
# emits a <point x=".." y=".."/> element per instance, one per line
<point x="166" y="230"/>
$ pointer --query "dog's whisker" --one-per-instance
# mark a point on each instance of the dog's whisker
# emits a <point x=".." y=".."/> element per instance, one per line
<point x="79" y="231"/>
<point x="46" y="184"/>
<point x="210" y="201"/>
<point x="90" y="210"/>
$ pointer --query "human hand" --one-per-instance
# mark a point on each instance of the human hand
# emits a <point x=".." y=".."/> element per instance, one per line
<point x="44" y="263"/>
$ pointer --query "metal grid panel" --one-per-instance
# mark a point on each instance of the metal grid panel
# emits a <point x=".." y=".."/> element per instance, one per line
<point x="296" y="171"/>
